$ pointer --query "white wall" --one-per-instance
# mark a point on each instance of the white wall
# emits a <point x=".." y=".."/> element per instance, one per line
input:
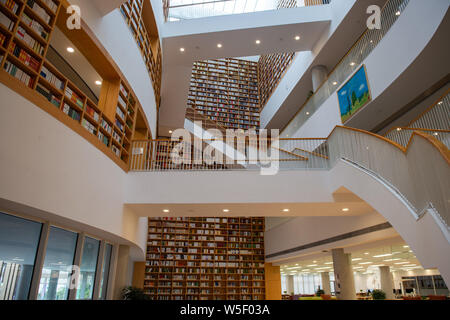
<point x="47" y="166"/>
<point x="114" y="35"/>
<point x="397" y="51"/>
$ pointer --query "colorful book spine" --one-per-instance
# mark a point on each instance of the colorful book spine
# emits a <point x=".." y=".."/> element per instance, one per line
<point x="24" y="57"/>
<point x="74" y="97"/>
<point x="2" y="39"/>
<point x="39" y="10"/>
<point x="29" y="40"/>
<point x="51" y="78"/>
<point x="88" y="126"/>
<point x="36" y="26"/>
<point x="94" y="114"/>
<point x="11" y="5"/>
<point x="47" y="94"/>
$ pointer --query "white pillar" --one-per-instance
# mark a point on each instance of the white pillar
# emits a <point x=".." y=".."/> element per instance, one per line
<point x="318" y="74"/>
<point x="386" y="281"/>
<point x="290" y="284"/>
<point x="343" y="275"/>
<point x="326" y="282"/>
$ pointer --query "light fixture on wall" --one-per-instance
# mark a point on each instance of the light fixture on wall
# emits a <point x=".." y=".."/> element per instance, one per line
<point x="170" y="131"/>
<point x="297" y="38"/>
<point x="258" y="41"/>
<point x="70" y="50"/>
<point x="182" y="49"/>
<point x="335" y="83"/>
<point x="98" y="82"/>
<point x="352" y="64"/>
<point x="219" y="45"/>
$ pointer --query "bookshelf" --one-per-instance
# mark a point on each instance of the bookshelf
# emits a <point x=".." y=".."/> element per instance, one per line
<point x="271" y="68"/>
<point x="205" y="259"/>
<point x="25" y="32"/>
<point x="226" y="91"/>
<point x="149" y="46"/>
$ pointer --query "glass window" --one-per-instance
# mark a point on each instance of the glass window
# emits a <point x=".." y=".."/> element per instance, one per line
<point x="19" y="240"/>
<point x="105" y="271"/>
<point x="88" y="267"/>
<point x="55" y="278"/>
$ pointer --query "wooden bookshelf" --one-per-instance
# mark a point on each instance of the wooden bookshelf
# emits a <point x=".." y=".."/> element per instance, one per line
<point x="25" y="31"/>
<point x="148" y="45"/>
<point x="226" y="91"/>
<point x="205" y="259"/>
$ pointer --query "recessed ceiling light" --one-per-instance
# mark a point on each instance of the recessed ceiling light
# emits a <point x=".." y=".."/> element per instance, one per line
<point x="182" y="49"/>
<point x="170" y="131"/>
<point x="352" y="64"/>
<point x="219" y="45"/>
<point x="307" y="113"/>
<point x="366" y="253"/>
<point x="399" y="129"/>
<point x="440" y="102"/>
<point x="166" y="210"/>
<point x="258" y="41"/>
<point x="365" y="263"/>
<point x="398" y="13"/>
<point x="98" y="82"/>
<point x="335" y="83"/>
<point x="345" y="209"/>
<point x="383" y="255"/>
<point x="226" y="210"/>
<point x="356" y="259"/>
<point x="285" y="210"/>
<point x="435" y="133"/>
<point x="70" y="49"/>
<point x="297" y="38"/>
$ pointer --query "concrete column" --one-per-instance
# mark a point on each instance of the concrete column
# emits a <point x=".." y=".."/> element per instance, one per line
<point x="290" y="284"/>
<point x="343" y="274"/>
<point x="318" y="74"/>
<point x="326" y="282"/>
<point x="386" y="281"/>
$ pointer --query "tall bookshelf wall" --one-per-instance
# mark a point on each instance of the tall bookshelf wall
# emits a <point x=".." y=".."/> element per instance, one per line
<point x="132" y="13"/>
<point x="26" y="27"/>
<point x="205" y="259"/>
<point x="226" y="91"/>
<point x="271" y="69"/>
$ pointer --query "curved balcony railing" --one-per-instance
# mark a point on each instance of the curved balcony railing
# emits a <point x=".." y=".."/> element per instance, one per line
<point x="434" y="121"/>
<point x="351" y="61"/>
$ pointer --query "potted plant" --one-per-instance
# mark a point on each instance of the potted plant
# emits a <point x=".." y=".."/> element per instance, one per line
<point x="319" y="292"/>
<point x="378" y="295"/>
<point x="132" y="293"/>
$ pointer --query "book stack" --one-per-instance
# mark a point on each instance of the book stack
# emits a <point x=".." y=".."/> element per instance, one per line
<point x="6" y="22"/>
<point x="36" y="26"/>
<point x="103" y="138"/>
<point x="89" y="126"/>
<point x="39" y="10"/>
<point x="105" y="125"/>
<point x="2" y="39"/>
<point x="117" y="137"/>
<point x="120" y="113"/>
<point x="123" y="90"/>
<point x="16" y="72"/>
<point x="47" y="94"/>
<point x="51" y="78"/>
<point x="29" y="40"/>
<point x="94" y="115"/>
<point x="51" y="5"/>
<point x="122" y="102"/>
<point x="119" y="125"/>
<point x="23" y="56"/>
<point x="11" y="5"/>
<point x="75" y="115"/>
<point x="115" y="150"/>
<point x="74" y="97"/>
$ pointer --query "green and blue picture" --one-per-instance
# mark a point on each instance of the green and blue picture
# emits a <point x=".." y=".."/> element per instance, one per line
<point x="354" y="95"/>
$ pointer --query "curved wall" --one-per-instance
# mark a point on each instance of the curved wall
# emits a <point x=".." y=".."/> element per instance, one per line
<point x="47" y="166"/>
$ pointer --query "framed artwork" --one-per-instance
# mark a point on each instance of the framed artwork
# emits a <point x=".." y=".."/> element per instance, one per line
<point x="354" y="94"/>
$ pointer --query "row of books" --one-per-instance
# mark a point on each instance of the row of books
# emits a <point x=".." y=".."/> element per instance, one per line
<point x="47" y="94"/>
<point x="120" y="113"/>
<point x="39" y="10"/>
<point x="116" y="150"/>
<point x="88" y="126"/>
<point x="122" y="102"/>
<point x="75" y="115"/>
<point x="11" y="5"/>
<point x="120" y="125"/>
<point x="36" y="26"/>
<point x="6" y="22"/>
<point x="16" y="72"/>
<point x="105" y="125"/>
<point x="103" y="138"/>
<point x="74" y="97"/>
<point x="24" y="57"/>
<point x="50" y="77"/>
<point x="117" y="137"/>
<point x="52" y="6"/>
<point x="29" y="40"/>
<point x="124" y="92"/>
